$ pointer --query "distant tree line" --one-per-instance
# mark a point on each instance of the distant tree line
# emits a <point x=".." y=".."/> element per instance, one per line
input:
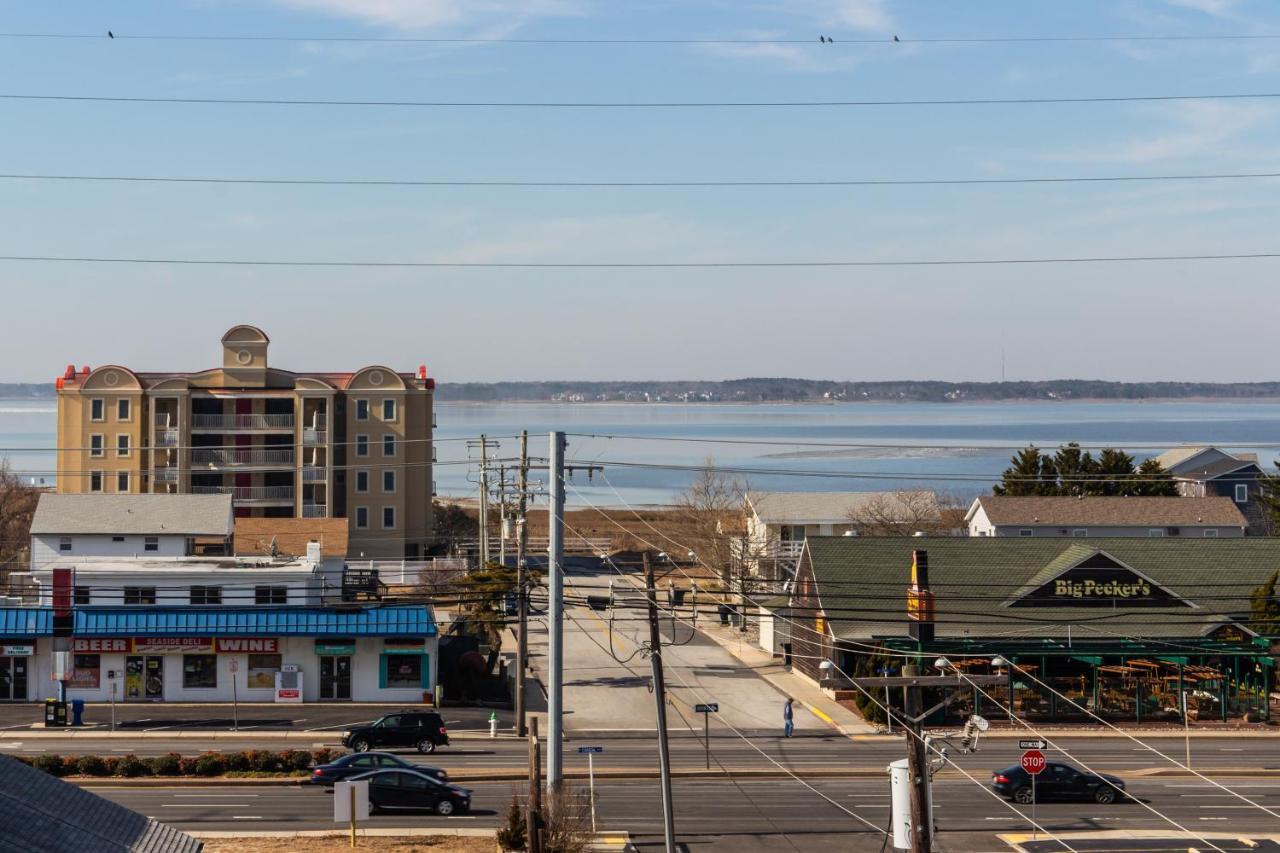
<point x="1074" y="471"/>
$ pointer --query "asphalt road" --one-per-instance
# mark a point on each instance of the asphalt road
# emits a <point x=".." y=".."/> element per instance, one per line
<point x="725" y="815"/>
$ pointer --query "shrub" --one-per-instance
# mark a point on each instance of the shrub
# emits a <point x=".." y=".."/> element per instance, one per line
<point x="210" y="764"/>
<point x="296" y="759"/>
<point x="512" y="835"/>
<point x="110" y="762"/>
<point x="323" y="755"/>
<point x="265" y="761"/>
<point x="166" y="765"/>
<point x="238" y="761"/>
<point x="70" y="765"/>
<point x="51" y="764"/>
<point x="91" y="765"/>
<point x="186" y="766"/>
<point x="130" y="766"/>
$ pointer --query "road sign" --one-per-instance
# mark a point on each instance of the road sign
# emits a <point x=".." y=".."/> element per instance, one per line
<point x="1033" y="762"/>
<point x="708" y="708"/>
<point x="585" y="749"/>
<point x="1033" y="744"/>
<point x="350" y="801"/>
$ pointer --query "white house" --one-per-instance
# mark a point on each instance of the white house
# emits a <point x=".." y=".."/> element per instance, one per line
<point x="96" y="525"/>
<point x="1100" y="516"/>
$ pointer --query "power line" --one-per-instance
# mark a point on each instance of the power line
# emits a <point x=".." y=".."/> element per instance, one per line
<point x="623" y="184"/>
<point x="909" y="446"/>
<point x="883" y="40"/>
<point x="944" y="262"/>
<point x="920" y="102"/>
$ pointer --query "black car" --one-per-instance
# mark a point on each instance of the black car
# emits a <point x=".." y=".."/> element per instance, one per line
<point x="1057" y="782"/>
<point x="355" y="763"/>
<point x="422" y="730"/>
<point x="409" y="790"/>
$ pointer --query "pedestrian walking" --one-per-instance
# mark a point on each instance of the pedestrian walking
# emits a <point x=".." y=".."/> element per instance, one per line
<point x="788" y="719"/>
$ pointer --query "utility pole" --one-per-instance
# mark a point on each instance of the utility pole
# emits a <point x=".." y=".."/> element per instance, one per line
<point x="502" y="515"/>
<point x="522" y="645"/>
<point x="660" y="697"/>
<point x="917" y="767"/>
<point x="533" y="828"/>
<point x="555" y="623"/>
<point x="484" y="503"/>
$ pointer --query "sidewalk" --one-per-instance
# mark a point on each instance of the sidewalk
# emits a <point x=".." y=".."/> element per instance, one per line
<point x="807" y="694"/>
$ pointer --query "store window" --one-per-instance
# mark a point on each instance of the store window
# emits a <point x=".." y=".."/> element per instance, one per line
<point x="139" y="595"/>
<point x="271" y="595"/>
<point x="262" y="671"/>
<point x="80" y="596"/>
<point x="206" y="595"/>
<point x="399" y="670"/>
<point x="151" y="543"/>
<point x="199" y="672"/>
<point x="86" y="672"/>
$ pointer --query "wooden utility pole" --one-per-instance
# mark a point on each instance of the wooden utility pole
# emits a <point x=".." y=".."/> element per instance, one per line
<point x="918" y="767"/>
<point x="484" y="503"/>
<point x="533" y="824"/>
<point x="522" y="590"/>
<point x="660" y="697"/>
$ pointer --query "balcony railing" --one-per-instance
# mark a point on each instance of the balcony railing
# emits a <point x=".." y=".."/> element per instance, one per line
<point x="313" y="511"/>
<point x="166" y="475"/>
<point x="314" y="436"/>
<point x="314" y="473"/>
<point x="241" y="422"/>
<point x="166" y="438"/>
<point x="243" y="457"/>
<point x="249" y="494"/>
<point x="316" y="421"/>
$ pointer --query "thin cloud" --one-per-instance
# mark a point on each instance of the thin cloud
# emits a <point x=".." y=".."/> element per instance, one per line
<point x="1216" y="8"/>
<point x="426" y="14"/>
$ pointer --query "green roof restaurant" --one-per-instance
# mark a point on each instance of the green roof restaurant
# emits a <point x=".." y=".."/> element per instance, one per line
<point x="1119" y="629"/>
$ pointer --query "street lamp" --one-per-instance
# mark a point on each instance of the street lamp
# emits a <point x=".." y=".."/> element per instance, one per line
<point x="942" y="664"/>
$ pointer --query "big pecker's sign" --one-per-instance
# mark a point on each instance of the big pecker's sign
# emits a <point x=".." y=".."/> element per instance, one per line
<point x="1099" y="581"/>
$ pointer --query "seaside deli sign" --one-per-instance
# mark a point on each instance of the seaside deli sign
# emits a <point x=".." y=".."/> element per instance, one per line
<point x="1100" y="582"/>
<point x="190" y="645"/>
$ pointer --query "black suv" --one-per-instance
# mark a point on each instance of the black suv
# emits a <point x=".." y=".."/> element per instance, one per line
<point x="423" y="730"/>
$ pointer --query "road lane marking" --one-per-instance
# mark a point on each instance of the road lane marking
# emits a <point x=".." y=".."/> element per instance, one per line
<point x="210" y="796"/>
<point x="246" y="817"/>
<point x="202" y="805"/>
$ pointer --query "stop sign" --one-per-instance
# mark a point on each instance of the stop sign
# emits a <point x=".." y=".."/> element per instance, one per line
<point x="1033" y="762"/>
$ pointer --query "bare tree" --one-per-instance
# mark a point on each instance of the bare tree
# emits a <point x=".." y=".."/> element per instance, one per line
<point x="710" y="513"/>
<point x="566" y="820"/>
<point x="905" y="513"/>
<point x="17" y="506"/>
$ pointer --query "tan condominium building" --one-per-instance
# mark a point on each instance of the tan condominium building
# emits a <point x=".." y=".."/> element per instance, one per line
<point x="282" y="444"/>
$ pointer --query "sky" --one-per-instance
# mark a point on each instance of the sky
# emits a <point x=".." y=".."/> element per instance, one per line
<point x="1188" y="320"/>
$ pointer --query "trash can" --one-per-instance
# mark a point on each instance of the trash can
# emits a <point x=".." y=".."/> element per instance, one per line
<point x="724" y="614"/>
<point x="679" y="597"/>
<point x="77" y="712"/>
<point x="55" y="713"/>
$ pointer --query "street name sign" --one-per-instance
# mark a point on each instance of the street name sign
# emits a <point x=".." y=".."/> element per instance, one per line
<point x="1033" y="762"/>
<point x="708" y="708"/>
<point x="1033" y="744"/>
<point x="586" y="749"/>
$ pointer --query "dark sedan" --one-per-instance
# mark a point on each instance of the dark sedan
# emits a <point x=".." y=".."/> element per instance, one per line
<point x="363" y="762"/>
<point x="408" y="790"/>
<point x="1057" y="782"/>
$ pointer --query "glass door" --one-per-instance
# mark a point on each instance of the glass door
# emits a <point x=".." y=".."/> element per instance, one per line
<point x="144" y="677"/>
<point x="13" y="679"/>
<point x="335" y="677"/>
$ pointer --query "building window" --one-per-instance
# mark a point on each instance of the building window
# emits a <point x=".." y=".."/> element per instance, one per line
<point x="401" y="670"/>
<point x="388" y="445"/>
<point x="97" y="409"/>
<point x="124" y="410"/>
<point x="80" y="595"/>
<point x="1242" y="493"/>
<point x="1156" y="533"/>
<point x="122" y="481"/>
<point x="1026" y="531"/>
<point x="117" y="538"/>
<point x="362" y="410"/>
<point x="122" y="445"/>
<point x="86" y="672"/>
<point x="262" y="671"/>
<point x="95" y="481"/>
<point x="362" y="445"/>
<point x="1080" y="533"/>
<point x="388" y="410"/>
<point x="388" y="517"/>
<point x="362" y="481"/>
<point x="151" y="543"/>
<point x="206" y="595"/>
<point x="362" y="517"/>
<point x="270" y="594"/>
<point x="1211" y="533"/>
<point x="64" y="544"/>
<point x="139" y="595"/>
<point x="95" y="445"/>
<point x="389" y="482"/>
<point x="199" y="672"/>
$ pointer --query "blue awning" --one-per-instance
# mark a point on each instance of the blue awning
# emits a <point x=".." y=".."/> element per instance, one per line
<point x="17" y="622"/>
<point x="412" y="620"/>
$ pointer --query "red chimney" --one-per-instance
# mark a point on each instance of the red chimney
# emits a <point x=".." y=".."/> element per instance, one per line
<point x="70" y="372"/>
<point x="59" y="382"/>
<point x="85" y="370"/>
<point x="422" y="371"/>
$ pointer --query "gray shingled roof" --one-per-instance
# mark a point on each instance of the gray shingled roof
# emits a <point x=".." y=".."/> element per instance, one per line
<point x="151" y="515"/>
<point x="1221" y="468"/>
<point x="862" y="583"/>
<point x="1030" y="511"/>
<point x="40" y="812"/>
<point x="818" y="507"/>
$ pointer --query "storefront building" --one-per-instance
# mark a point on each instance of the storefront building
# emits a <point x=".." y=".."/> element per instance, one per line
<point x="1127" y="629"/>
<point x="20" y="628"/>
<point x="261" y="654"/>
